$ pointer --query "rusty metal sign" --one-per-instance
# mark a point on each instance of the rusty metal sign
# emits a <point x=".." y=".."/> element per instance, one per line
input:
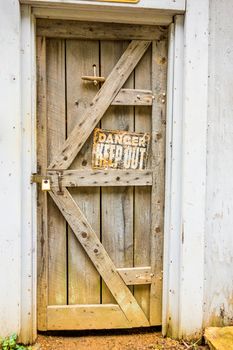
<point x="118" y="149"/>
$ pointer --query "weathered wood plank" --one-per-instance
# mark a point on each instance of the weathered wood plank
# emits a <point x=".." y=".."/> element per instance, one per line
<point x="83" y="279"/>
<point x="142" y="223"/>
<point x="93" y="30"/>
<point x="141" y="17"/>
<point x="99" y="104"/>
<point x="159" y="70"/>
<point x="79" y="317"/>
<point x="136" y="275"/>
<point x="42" y="227"/>
<point x="56" y="134"/>
<point x="95" y="178"/>
<point x="96" y="252"/>
<point x="133" y="97"/>
<point x="117" y="203"/>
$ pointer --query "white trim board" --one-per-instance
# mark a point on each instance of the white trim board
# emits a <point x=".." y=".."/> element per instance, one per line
<point x="173" y="191"/>
<point x="194" y="153"/>
<point x="186" y="192"/>
<point x="168" y="6"/>
<point x="155" y="12"/>
<point x="105" y="15"/>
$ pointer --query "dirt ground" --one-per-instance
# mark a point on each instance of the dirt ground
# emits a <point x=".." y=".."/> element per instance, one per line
<point x="112" y="341"/>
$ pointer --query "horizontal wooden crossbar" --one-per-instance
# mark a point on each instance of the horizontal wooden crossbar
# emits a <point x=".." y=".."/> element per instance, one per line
<point x="98" y="31"/>
<point x="133" y="97"/>
<point x="68" y="317"/>
<point x="136" y="275"/>
<point x="94" y="178"/>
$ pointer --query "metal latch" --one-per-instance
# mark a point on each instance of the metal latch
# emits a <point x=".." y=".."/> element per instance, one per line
<point x="43" y="180"/>
<point x="94" y="78"/>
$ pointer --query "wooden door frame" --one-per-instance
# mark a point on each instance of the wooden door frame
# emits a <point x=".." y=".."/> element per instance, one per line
<point x="186" y="118"/>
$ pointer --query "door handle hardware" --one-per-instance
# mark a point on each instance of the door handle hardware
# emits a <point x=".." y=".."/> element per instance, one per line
<point x="94" y="78"/>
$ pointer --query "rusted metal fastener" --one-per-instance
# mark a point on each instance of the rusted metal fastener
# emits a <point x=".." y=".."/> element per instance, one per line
<point x="59" y="181"/>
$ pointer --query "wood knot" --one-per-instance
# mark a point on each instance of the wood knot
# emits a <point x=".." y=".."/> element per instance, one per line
<point x="96" y="250"/>
<point x="84" y="162"/>
<point x="84" y="235"/>
<point x="163" y="60"/>
<point x="157" y="230"/>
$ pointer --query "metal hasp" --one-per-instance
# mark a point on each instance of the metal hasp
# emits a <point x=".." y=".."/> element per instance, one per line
<point x="45" y="181"/>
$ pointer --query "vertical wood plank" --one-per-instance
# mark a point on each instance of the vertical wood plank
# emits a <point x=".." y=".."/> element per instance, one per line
<point x="56" y="116"/>
<point x="142" y="202"/>
<point x="42" y="228"/>
<point x="117" y="203"/>
<point x="83" y="280"/>
<point x="159" y="69"/>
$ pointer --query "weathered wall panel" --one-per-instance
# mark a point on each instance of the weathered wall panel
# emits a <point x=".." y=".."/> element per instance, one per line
<point x="10" y="200"/>
<point x="194" y="168"/>
<point x="219" y="212"/>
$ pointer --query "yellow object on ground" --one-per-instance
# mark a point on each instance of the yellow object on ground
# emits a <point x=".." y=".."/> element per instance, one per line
<point x="219" y="338"/>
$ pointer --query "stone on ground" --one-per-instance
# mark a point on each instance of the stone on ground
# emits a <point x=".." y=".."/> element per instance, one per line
<point x="219" y="338"/>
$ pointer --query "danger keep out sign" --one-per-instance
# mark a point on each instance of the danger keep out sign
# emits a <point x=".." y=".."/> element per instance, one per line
<point x="120" y="149"/>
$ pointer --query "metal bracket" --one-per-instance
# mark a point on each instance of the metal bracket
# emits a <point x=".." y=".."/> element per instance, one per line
<point x="59" y="181"/>
<point x="44" y="181"/>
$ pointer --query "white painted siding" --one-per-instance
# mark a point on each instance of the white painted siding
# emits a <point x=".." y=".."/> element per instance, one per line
<point x="10" y="159"/>
<point x="207" y="230"/>
<point x="219" y="214"/>
<point x="194" y="167"/>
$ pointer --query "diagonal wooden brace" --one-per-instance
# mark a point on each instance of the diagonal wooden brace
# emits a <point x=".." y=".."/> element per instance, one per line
<point x="99" y="104"/>
<point x="100" y="258"/>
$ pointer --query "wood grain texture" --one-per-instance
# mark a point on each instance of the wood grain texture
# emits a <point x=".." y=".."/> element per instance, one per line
<point x="140" y="17"/>
<point x="94" y="30"/>
<point x="218" y="285"/>
<point x="56" y="129"/>
<point x="42" y="227"/>
<point x="99" y="104"/>
<point x="96" y="252"/>
<point x="84" y="280"/>
<point x="84" y="317"/>
<point x="105" y="178"/>
<point x="136" y="275"/>
<point x="111" y="244"/>
<point x="142" y="222"/>
<point x="117" y="203"/>
<point x="159" y="69"/>
<point x="133" y="97"/>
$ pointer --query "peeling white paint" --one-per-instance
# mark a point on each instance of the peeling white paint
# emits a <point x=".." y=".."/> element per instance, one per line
<point x="10" y="204"/>
<point x="218" y="306"/>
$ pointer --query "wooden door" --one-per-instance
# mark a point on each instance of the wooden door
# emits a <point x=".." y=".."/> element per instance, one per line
<point x="100" y="232"/>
